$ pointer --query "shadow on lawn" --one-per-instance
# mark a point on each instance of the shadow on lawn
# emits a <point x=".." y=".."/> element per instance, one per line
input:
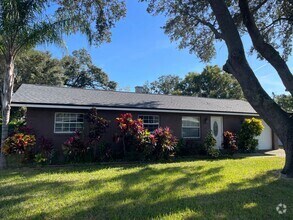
<point x="260" y="201"/>
<point x="256" y="197"/>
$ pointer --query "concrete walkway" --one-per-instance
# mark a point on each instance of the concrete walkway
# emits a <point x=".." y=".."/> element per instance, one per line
<point x="278" y="153"/>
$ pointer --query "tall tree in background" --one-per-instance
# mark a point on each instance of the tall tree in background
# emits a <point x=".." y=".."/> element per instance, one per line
<point x="80" y="72"/>
<point x="211" y="83"/>
<point x="268" y="23"/>
<point x="36" y="67"/>
<point x="166" y="85"/>
<point x="26" y="23"/>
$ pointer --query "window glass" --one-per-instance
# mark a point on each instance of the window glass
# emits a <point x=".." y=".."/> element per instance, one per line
<point x="150" y="122"/>
<point x="68" y="122"/>
<point x="190" y="127"/>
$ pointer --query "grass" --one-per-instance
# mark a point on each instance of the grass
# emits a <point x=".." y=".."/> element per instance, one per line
<point x="247" y="188"/>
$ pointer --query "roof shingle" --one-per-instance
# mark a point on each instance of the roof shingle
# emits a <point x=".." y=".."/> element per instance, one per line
<point x="49" y="95"/>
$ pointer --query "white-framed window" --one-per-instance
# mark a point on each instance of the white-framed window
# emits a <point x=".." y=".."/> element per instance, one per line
<point x="66" y="122"/>
<point x="190" y="127"/>
<point x="150" y="122"/>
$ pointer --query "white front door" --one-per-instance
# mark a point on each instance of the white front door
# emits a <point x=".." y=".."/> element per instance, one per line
<point x="217" y="129"/>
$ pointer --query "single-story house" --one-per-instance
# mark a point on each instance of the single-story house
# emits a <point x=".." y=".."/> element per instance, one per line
<point x="56" y="112"/>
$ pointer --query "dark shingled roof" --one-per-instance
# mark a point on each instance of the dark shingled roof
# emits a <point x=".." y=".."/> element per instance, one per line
<point x="49" y="95"/>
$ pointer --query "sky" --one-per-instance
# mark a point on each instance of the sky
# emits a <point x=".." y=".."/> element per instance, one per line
<point x="140" y="52"/>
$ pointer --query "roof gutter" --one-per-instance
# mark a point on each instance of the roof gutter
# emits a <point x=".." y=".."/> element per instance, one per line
<point x="130" y="109"/>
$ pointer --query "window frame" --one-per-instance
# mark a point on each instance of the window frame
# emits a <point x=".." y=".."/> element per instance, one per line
<point x="140" y="116"/>
<point x="67" y="132"/>
<point x="198" y="127"/>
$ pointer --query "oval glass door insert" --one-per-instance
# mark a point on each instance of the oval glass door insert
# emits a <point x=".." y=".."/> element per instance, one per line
<point x="215" y="129"/>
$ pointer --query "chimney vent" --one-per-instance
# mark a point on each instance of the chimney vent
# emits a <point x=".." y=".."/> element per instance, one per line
<point x="139" y="89"/>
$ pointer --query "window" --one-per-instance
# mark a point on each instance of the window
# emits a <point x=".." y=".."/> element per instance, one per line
<point x="190" y="127"/>
<point x="150" y="122"/>
<point x="68" y="122"/>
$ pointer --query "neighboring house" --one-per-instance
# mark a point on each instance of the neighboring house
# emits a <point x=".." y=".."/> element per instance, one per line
<point x="56" y="112"/>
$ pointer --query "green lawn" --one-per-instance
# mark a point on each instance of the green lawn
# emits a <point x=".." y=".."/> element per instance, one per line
<point x="248" y="188"/>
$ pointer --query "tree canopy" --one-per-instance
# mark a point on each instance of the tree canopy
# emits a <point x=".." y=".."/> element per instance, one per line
<point x="80" y="72"/>
<point x="212" y="82"/>
<point x="166" y="85"/>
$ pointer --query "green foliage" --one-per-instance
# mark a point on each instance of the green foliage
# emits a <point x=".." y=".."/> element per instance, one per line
<point x="189" y="147"/>
<point x="210" y="146"/>
<point x="104" y="152"/>
<point x="36" y="67"/>
<point x="285" y="101"/>
<point x="45" y="151"/>
<point x="194" y="26"/>
<point x="80" y="72"/>
<point x="211" y="83"/>
<point x="164" y="85"/>
<point x="250" y="129"/>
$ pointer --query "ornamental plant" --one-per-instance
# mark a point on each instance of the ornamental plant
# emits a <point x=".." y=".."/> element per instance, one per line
<point x="250" y="129"/>
<point x="75" y="150"/>
<point x="19" y="144"/>
<point x="210" y="146"/>
<point x="131" y="132"/>
<point x="45" y="151"/>
<point x="97" y="125"/>
<point x="229" y="142"/>
<point x="165" y="143"/>
<point x="142" y="144"/>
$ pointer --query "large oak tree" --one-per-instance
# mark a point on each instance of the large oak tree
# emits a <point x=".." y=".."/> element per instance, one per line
<point x="197" y="25"/>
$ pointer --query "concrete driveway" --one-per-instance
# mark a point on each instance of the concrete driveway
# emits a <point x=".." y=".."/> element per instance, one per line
<point x="278" y="153"/>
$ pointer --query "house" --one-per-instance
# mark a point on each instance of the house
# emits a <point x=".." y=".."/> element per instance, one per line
<point x="56" y="112"/>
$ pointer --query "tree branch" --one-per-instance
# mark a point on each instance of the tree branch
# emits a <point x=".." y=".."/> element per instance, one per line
<point x="217" y="34"/>
<point x="238" y="66"/>
<point x="265" y="49"/>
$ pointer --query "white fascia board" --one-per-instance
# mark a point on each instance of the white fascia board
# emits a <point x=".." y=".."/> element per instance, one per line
<point x="129" y="109"/>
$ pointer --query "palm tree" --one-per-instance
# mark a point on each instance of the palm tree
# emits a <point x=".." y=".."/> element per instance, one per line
<point x="27" y="23"/>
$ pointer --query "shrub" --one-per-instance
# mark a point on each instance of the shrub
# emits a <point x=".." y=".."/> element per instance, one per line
<point x="45" y="151"/>
<point x="131" y="132"/>
<point x="165" y="143"/>
<point x="189" y="147"/>
<point x="104" y="152"/>
<point x="229" y="143"/>
<point x="97" y="127"/>
<point x="209" y="146"/>
<point x="21" y="144"/>
<point x="75" y="150"/>
<point x="250" y="129"/>
<point x="139" y="143"/>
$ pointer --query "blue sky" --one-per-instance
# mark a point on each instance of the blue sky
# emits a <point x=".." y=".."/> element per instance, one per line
<point x="140" y="51"/>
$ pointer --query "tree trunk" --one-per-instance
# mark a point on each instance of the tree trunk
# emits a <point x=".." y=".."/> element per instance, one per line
<point x="6" y="96"/>
<point x="280" y="121"/>
<point x="288" y="168"/>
